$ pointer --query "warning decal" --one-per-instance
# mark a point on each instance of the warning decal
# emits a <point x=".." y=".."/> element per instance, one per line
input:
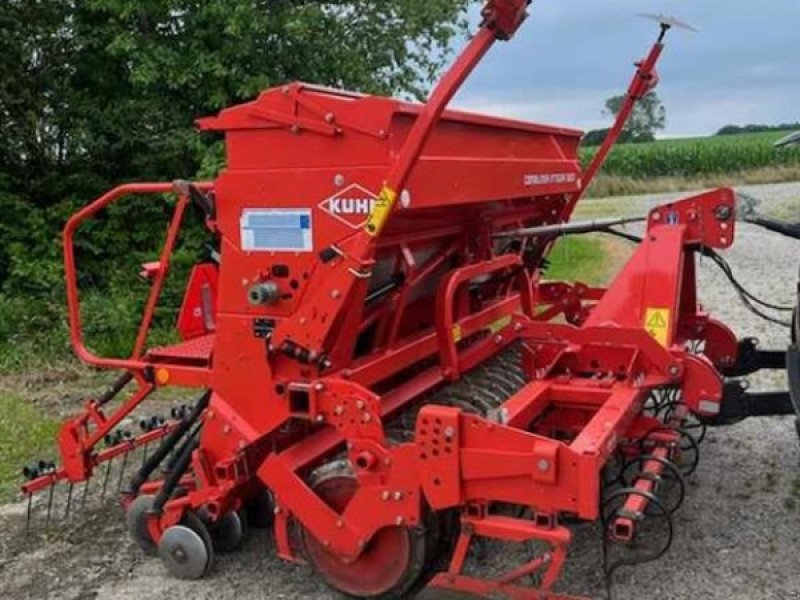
<point x="656" y="321"/>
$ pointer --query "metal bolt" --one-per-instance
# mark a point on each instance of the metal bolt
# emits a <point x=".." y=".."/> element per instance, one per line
<point x="319" y="386"/>
<point x="226" y="429"/>
<point x="359" y="404"/>
<point x="498" y="339"/>
<point x="384" y="495"/>
<point x="336" y="294"/>
<point x="338" y="180"/>
<point x="330" y="118"/>
<point x="449" y="432"/>
<point x="338" y="410"/>
<point x="723" y="212"/>
<point x="320" y="418"/>
<point x="277" y="510"/>
<point x="543" y="464"/>
<point x="674" y="370"/>
<point x="367" y="417"/>
<point x="656" y="216"/>
<point x="399" y="521"/>
<point x="339" y="524"/>
<point x="398" y="495"/>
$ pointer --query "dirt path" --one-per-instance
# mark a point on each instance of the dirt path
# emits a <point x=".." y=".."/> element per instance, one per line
<point x="735" y="537"/>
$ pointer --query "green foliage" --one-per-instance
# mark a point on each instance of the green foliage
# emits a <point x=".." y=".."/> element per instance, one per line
<point x="697" y="156"/>
<point x="648" y="117"/>
<point x="100" y="92"/>
<point x="738" y="129"/>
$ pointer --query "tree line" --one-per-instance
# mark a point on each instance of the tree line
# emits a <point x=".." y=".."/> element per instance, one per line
<point x="98" y="92"/>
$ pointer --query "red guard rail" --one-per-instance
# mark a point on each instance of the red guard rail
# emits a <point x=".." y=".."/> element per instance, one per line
<point x="71" y="276"/>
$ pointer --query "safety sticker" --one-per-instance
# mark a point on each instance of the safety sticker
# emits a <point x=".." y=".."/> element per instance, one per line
<point x="656" y="321"/>
<point x="276" y="230"/>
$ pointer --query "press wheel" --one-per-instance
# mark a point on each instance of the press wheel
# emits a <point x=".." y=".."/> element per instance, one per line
<point x="229" y="532"/>
<point x="391" y="562"/>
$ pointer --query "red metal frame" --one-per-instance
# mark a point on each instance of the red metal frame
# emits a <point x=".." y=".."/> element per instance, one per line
<point x="393" y="301"/>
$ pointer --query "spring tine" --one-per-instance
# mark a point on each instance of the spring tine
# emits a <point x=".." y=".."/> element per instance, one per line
<point x="105" y="481"/>
<point x="122" y="471"/>
<point x="49" y="503"/>
<point x="28" y="513"/>
<point x="69" y="500"/>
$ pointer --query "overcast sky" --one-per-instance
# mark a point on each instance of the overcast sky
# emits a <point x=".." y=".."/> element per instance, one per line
<point x="570" y="55"/>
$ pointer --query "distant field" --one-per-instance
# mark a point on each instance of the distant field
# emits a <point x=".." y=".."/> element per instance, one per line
<point x="671" y="165"/>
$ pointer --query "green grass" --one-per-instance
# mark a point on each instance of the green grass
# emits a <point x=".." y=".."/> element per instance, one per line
<point x="26" y="434"/>
<point x="585" y="258"/>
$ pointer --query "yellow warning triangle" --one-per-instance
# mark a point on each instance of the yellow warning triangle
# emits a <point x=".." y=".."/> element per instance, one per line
<point x="657" y="320"/>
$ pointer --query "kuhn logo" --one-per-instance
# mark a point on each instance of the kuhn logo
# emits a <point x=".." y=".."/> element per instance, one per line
<point x="351" y="206"/>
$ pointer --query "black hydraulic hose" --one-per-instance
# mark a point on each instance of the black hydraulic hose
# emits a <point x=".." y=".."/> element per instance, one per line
<point x="168" y="443"/>
<point x="173" y="458"/>
<point x="116" y="388"/>
<point x="395" y="282"/>
<point x="174" y="477"/>
<point x="791" y="230"/>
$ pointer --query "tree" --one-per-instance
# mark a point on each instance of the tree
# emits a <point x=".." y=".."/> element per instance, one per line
<point x="648" y="116"/>
<point x="96" y="92"/>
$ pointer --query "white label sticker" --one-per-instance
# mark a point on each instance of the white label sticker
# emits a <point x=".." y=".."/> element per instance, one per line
<point x="276" y="230"/>
<point x="535" y="179"/>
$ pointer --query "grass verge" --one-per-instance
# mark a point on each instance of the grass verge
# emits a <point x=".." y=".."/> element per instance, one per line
<point x="26" y="434"/>
<point x="587" y="258"/>
<point x="606" y="186"/>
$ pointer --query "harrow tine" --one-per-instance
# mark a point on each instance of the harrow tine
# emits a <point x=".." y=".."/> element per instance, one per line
<point x="144" y="454"/>
<point x="49" y="504"/>
<point x="28" y="512"/>
<point x="85" y="493"/>
<point x="69" y="500"/>
<point x="105" y="481"/>
<point x="122" y="471"/>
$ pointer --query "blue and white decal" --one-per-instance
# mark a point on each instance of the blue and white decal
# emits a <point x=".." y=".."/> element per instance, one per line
<point x="276" y="230"/>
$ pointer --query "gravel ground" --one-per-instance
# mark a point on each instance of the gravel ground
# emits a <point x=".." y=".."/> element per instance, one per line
<point x="734" y="536"/>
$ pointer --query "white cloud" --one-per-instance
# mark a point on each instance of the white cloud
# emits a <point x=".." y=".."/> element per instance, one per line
<point x="573" y="54"/>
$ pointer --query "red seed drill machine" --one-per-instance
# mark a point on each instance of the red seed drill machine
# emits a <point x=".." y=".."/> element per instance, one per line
<point x="384" y="369"/>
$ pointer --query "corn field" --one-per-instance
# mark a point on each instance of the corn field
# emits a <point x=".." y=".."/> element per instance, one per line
<point x="692" y="157"/>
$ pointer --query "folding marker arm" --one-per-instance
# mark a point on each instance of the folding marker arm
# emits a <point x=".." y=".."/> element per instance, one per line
<point x="501" y="19"/>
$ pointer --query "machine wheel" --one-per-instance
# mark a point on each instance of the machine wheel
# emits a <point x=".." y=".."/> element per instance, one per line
<point x="392" y="561"/>
<point x="260" y="510"/>
<point x="136" y="521"/>
<point x="229" y="532"/>
<point x="186" y="549"/>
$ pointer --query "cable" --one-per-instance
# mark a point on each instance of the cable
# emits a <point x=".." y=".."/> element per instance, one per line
<point x="747" y="298"/>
